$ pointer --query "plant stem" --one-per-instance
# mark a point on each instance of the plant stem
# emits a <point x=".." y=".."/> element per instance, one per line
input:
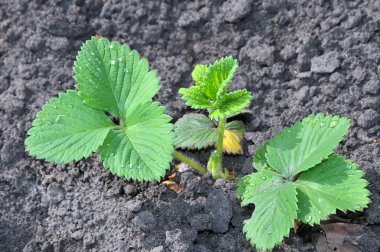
<point x="219" y="146"/>
<point x="190" y="162"/>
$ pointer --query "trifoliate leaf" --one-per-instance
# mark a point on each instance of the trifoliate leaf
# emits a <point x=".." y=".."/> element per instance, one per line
<point x="336" y="183"/>
<point x="195" y="98"/>
<point x="199" y="73"/>
<point x="275" y="202"/>
<point x="306" y="143"/>
<point x="67" y="130"/>
<point x="231" y="103"/>
<point x="112" y="78"/>
<point x="197" y="131"/>
<point x="218" y="76"/>
<point x="143" y="150"/>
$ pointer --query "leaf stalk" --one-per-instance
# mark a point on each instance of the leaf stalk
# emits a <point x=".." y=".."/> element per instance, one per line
<point x="219" y="146"/>
<point x="189" y="162"/>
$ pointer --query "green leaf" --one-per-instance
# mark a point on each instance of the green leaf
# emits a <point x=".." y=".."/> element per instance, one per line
<point x="195" y="98"/>
<point x="231" y="103"/>
<point x="237" y="127"/>
<point x="143" y="150"/>
<point x="112" y="78"/>
<point x="67" y="130"/>
<point x="259" y="160"/>
<point x="306" y="143"/>
<point x="195" y="131"/>
<point x="275" y="202"/>
<point x="218" y="76"/>
<point x="199" y="73"/>
<point x="336" y="183"/>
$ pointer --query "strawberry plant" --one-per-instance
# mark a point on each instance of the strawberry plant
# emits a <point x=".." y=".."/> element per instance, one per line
<point x="300" y="178"/>
<point x="111" y="113"/>
<point x="197" y="131"/>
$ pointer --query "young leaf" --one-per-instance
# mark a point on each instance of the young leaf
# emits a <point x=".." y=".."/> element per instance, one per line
<point x="195" y="98"/>
<point x="143" y="150"/>
<point x="275" y="208"/>
<point x="199" y="73"/>
<point x="197" y="131"/>
<point x="67" y="130"/>
<point x="306" y="143"/>
<point x="218" y="76"/>
<point x="231" y="103"/>
<point x="336" y="183"/>
<point x="112" y="78"/>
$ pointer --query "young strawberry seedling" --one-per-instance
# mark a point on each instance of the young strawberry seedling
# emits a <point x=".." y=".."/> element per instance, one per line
<point x="299" y="178"/>
<point x="113" y="82"/>
<point x="197" y="131"/>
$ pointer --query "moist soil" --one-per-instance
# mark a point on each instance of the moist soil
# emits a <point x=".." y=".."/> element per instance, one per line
<point x="296" y="57"/>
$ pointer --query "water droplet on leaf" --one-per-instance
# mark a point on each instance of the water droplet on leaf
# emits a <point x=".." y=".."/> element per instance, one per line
<point x="333" y="124"/>
<point x="308" y="218"/>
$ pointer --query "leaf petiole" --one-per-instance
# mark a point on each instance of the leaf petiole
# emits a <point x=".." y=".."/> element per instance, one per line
<point x="189" y="162"/>
<point x="219" y="146"/>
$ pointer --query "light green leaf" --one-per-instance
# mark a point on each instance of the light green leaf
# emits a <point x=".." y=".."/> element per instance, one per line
<point x="275" y="202"/>
<point x="195" y="131"/>
<point x="231" y="103"/>
<point x="218" y="76"/>
<point x="199" y="73"/>
<point x="112" y="78"/>
<point x="67" y="130"/>
<point x="336" y="183"/>
<point x="143" y="150"/>
<point x="195" y="98"/>
<point x="306" y="143"/>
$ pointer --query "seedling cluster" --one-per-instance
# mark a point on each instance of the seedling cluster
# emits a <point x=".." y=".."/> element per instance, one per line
<point x="112" y="112"/>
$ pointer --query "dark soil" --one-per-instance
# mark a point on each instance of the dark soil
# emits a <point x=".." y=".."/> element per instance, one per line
<point x="297" y="57"/>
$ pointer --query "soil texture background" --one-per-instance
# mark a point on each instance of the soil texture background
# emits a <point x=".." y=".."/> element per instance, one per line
<point x="296" y="57"/>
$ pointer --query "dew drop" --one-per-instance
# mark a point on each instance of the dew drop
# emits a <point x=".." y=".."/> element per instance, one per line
<point x="111" y="46"/>
<point x="322" y="124"/>
<point x="333" y="124"/>
<point x="71" y="106"/>
<point x="98" y="69"/>
<point x="308" y="218"/>
<point x="357" y="207"/>
<point x="112" y="62"/>
<point x="263" y="178"/>
<point x="319" y="212"/>
<point x="54" y="106"/>
<point x="130" y="166"/>
<point x="122" y="166"/>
